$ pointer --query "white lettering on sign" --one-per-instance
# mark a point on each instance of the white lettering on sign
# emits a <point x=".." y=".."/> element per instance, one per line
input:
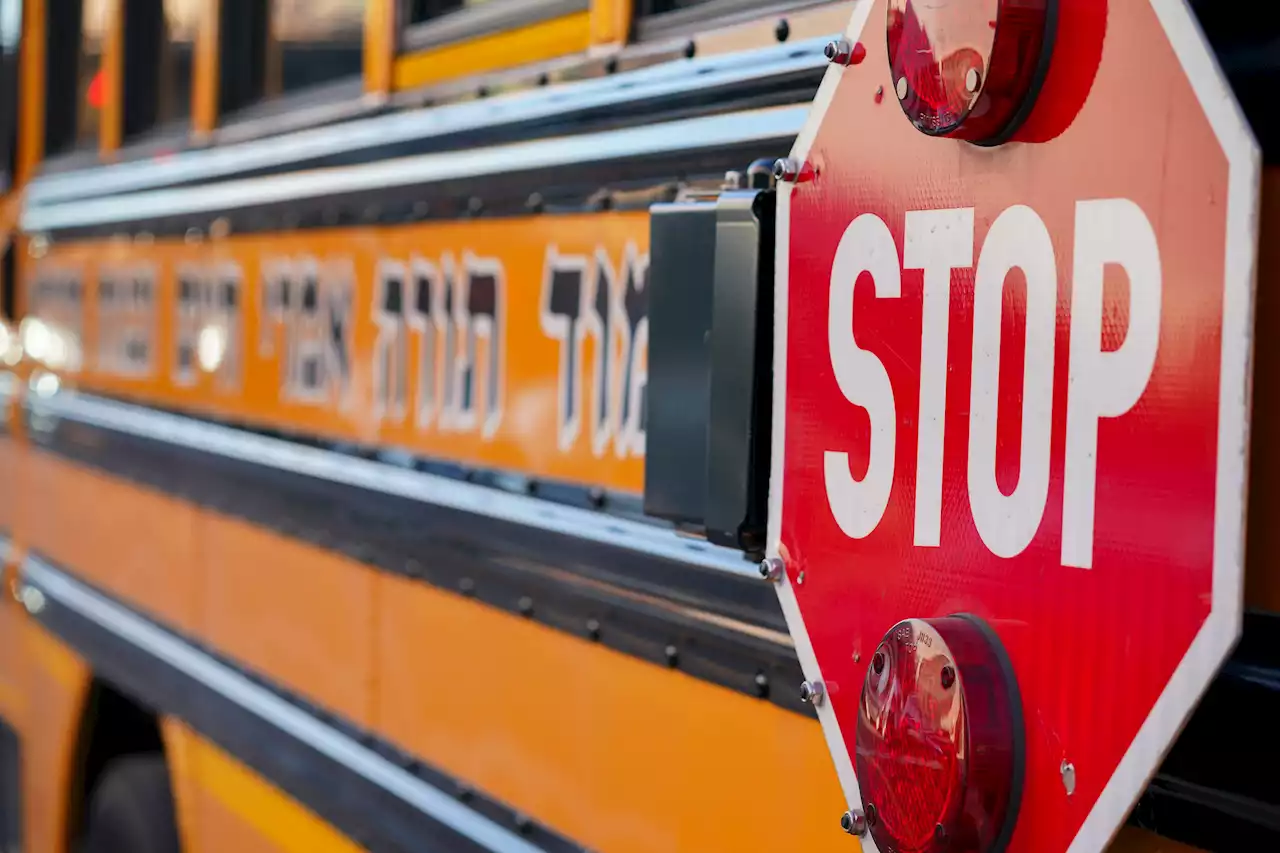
<point x="1101" y="384"/>
<point x="866" y="247"/>
<point x="1104" y="384"/>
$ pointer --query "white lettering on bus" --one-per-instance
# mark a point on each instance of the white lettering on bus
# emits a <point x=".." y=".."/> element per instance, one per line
<point x="1101" y="383"/>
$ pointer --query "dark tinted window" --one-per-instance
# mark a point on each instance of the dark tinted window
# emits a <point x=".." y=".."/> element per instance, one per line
<point x="74" y="89"/>
<point x="10" y="33"/>
<point x="159" y="53"/>
<point x="285" y="46"/>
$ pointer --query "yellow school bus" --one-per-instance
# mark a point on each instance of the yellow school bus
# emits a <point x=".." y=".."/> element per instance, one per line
<point x="323" y="475"/>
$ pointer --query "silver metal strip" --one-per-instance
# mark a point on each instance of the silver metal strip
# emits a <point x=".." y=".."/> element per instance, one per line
<point x="710" y="132"/>
<point x="264" y="704"/>
<point x="380" y="477"/>
<point x="667" y="79"/>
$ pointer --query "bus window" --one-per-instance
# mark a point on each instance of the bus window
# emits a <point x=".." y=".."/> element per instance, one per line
<point x="75" y="89"/>
<point x="431" y="23"/>
<point x="10" y="31"/>
<point x="656" y="19"/>
<point x="159" y="41"/>
<point x="283" y="47"/>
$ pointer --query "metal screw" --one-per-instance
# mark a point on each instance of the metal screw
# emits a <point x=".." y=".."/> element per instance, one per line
<point x="903" y="91"/>
<point x="854" y="822"/>
<point x="786" y="169"/>
<point x="972" y="80"/>
<point x="1069" y="777"/>
<point x="838" y="51"/>
<point x="32" y="600"/>
<point x="812" y="692"/>
<point x="771" y="568"/>
<point x="877" y="662"/>
<point x="948" y="677"/>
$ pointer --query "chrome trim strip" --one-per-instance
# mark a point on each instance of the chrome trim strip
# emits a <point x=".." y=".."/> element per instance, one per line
<point x="666" y="79"/>
<point x="264" y="704"/>
<point x="710" y="132"/>
<point x="381" y="477"/>
<point x="495" y="16"/>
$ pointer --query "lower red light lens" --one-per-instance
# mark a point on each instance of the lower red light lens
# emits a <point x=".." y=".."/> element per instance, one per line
<point x="969" y="68"/>
<point x="940" y="739"/>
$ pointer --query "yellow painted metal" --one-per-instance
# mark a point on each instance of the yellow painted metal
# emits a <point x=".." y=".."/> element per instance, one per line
<point x="31" y="88"/>
<point x="544" y="40"/>
<point x="213" y="786"/>
<point x="379" y="45"/>
<point x="205" y="71"/>
<point x="111" y="121"/>
<point x="611" y="21"/>
<point x="541" y="419"/>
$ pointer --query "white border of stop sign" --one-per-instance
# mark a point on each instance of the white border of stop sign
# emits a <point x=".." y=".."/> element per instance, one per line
<point x="1217" y="636"/>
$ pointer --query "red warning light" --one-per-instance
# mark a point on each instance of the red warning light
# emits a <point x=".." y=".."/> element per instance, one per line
<point x="940" y="742"/>
<point x="969" y="69"/>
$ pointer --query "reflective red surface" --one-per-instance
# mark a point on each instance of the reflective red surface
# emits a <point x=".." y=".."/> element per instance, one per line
<point x="967" y="68"/>
<point x="938" y="733"/>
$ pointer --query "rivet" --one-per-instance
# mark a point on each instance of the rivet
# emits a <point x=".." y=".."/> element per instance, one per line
<point x="690" y="49"/>
<point x="854" y="822"/>
<point x="524" y="825"/>
<point x="812" y="692"/>
<point x="771" y="568"/>
<point x="534" y="203"/>
<point x="786" y="169"/>
<point x="873" y="816"/>
<point x="467" y="586"/>
<point x="972" y="80"/>
<point x="879" y="94"/>
<point x="903" y="91"/>
<point x="593" y="629"/>
<point x="783" y="30"/>
<point x="877" y="662"/>
<point x="838" y="51"/>
<point x="474" y="206"/>
<point x="762" y="684"/>
<point x="32" y="600"/>
<point x="673" y="655"/>
<point x="1068" y="777"/>
<point x="525" y="604"/>
<point x="948" y="677"/>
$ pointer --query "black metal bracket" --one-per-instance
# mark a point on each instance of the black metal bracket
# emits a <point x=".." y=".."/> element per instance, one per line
<point x="710" y="365"/>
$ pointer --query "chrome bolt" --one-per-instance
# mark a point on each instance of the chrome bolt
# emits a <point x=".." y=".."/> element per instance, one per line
<point x="32" y="600"/>
<point x="812" y="692"/>
<point x="772" y="568"/>
<point x="854" y="822"/>
<point x="1069" y="777"/>
<point x="786" y="169"/>
<point x="838" y="52"/>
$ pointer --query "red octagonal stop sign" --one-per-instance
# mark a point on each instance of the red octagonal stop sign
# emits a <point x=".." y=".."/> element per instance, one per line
<point x="1012" y="381"/>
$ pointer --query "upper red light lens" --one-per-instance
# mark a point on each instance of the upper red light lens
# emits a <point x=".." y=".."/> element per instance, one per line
<point x="939" y="739"/>
<point x="969" y="68"/>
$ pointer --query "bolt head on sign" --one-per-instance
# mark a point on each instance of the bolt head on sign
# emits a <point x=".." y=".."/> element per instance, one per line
<point x="1012" y="386"/>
